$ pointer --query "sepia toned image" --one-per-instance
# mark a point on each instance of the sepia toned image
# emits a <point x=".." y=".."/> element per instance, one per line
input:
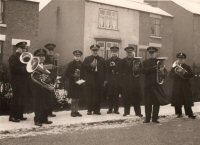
<point x="99" y="72"/>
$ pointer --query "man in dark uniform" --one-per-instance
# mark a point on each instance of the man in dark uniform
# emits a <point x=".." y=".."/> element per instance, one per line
<point x="113" y="80"/>
<point x="94" y="67"/>
<point x="50" y="59"/>
<point x="20" y="82"/>
<point x="41" y="95"/>
<point x="131" y="88"/>
<point x="154" y="94"/>
<point x="181" y="92"/>
<point x="74" y="73"/>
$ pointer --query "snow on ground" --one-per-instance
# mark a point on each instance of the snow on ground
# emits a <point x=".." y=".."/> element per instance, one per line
<point x="63" y="121"/>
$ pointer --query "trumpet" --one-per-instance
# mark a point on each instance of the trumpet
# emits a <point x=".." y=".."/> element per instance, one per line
<point x="178" y="69"/>
<point x="136" y="66"/>
<point x="39" y="74"/>
<point x="160" y="70"/>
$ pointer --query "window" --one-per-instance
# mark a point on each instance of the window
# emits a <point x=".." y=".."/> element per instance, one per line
<point x="105" y="48"/>
<point x="108" y="19"/>
<point x="155" y="27"/>
<point x="1" y="11"/>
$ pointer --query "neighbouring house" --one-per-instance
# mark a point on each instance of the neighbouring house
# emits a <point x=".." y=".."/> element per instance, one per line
<point x="186" y="26"/>
<point x="18" y="21"/>
<point x="76" y="24"/>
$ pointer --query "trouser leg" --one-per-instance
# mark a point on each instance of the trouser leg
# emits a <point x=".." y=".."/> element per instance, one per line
<point x="116" y="103"/>
<point x="178" y="110"/>
<point x="73" y="106"/>
<point x="156" y="109"/>
<point x="137" y="109"/>
<point x="110" y="102"/>
<point x="127" y="107"/>
<point x="148" y="111"/>
<point x="188" y="110"/>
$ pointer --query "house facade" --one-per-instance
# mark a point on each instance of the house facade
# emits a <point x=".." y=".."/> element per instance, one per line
<point x="186" y="26"/>
<point x="18" y="21"/>
<point x="81" y="23"/>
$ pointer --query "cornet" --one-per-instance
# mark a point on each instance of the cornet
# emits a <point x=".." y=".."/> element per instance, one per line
<point x="39" y="74"/>
<point x="136" y="66"/>
<point x="160" y="70"/>
<point x="178" y="69"/>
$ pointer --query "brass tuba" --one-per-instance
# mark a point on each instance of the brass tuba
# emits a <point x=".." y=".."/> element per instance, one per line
<point x="178" y="69"/>
<point x="160" y="70"/>
<point x="39" y="74"/>
<point x="136" y="66"/>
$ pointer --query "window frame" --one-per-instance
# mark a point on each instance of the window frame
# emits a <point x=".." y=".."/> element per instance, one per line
<point x="2" y="9"/>
<point x="156" y="26"/>
<point x="117" y="19"/>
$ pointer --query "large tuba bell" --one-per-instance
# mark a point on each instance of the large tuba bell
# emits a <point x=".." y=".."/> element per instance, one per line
<point x="178" y="69"/>
<point x="39" y="74"/>
<point x="160" y="70"/>
<point x="136" y="66"/>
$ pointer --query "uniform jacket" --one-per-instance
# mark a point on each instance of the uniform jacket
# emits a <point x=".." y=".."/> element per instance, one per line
<point x="154" y="92"/>
<point x="113" y="76"/>
<point x="131" y="87"/>
<point x="181" y="89"/>
<point x="90" y="75"/>
<point x="20" y="79"/>
<point x="73" y="73"/>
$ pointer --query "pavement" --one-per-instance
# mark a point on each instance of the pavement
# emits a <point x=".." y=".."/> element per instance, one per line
<point x="64" y="120"/>
<point x="175" y="132"/>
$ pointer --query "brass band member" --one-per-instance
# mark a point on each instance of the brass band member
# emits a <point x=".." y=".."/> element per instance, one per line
<point x="131" y="88"/>
<point x="50" y="59"/>
<point x="73" y="74"/>
<point x="113" y="80"/>
<point x="40" y="95"/>
<point x="94" y="67"/>
<point x="154" y="94"/>
<point x="181" y="73"/>
<point x="20" y="82"/>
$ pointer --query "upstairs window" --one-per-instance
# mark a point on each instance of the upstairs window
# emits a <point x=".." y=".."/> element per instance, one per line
<point x="155" y="27"/>
<point x="108" y="19"/>
<point x="1" y="11"/>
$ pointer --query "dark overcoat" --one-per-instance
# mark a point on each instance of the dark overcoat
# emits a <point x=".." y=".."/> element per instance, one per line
<point x="153" y="92"/>
<point x="74" y="90"/>
<point x="181" y="89"/>
<point x="131" y="87"/>
<point x="20" y="80"/>
<point x="94" y="80"/>
<point x="113" y="76"/>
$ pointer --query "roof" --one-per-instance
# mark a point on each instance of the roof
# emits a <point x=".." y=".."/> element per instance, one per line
<point x="192" y="6"/>
<point x="134" y="5"/>
<point x="42" y="3"/>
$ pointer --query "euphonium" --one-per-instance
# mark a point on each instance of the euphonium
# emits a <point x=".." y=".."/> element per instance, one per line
<point x="136" y="66"/>
<point x="160" y="70"/>
<point x="178" y="69"/>
<point x="39" y="74"/>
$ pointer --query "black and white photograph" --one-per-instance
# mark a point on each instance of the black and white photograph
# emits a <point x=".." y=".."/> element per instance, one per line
<point x="99" y="72"/>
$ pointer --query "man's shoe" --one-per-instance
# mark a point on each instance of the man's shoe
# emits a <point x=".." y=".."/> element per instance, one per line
<point x="38" y="124"/>
<point x="155" y="121"/>
<point x="109" y="112"/>
<point x="97" y="113"/>
<point x="89" y="113"/>
<point x="125" y="114"/>
<point x="23" y="118"/>
<point x="116" y="112"/>
<point x="73" y="114"/>
<point x="192" y="117"/>
<point x="179" y="116"/>
<point x="140" y="115"/>
<point x="13" y="119"/>
<point x="146" y="121"/>
<point x="78" y="114"/>
<point x="52" y="115"/>
<point x="48" y="122"/>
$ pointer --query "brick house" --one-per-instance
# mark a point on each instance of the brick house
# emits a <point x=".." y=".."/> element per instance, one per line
<point x="186" y="26"/>
<point x="18" y="21"/>
<point x="78" y="24"/>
